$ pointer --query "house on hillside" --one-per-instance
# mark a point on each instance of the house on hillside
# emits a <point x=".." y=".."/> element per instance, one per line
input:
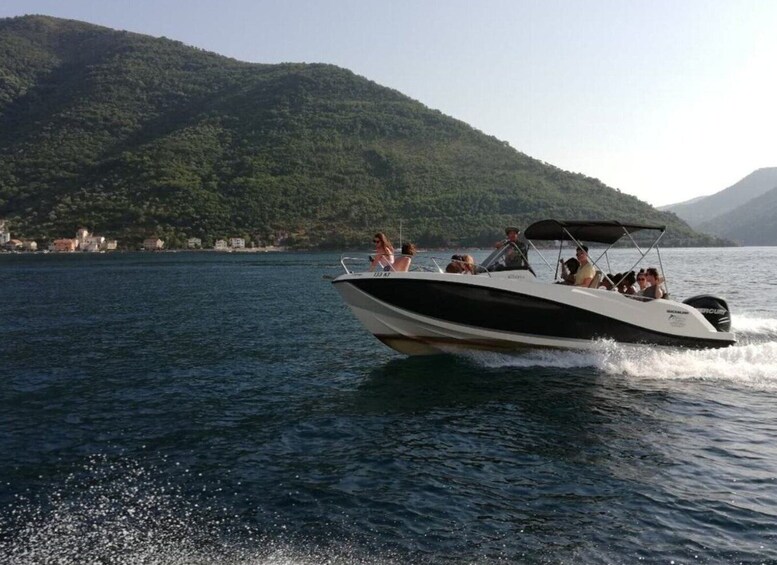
<point x="220" y="245"/>
<point x="153" y="244"/>
<point x="30" y="245"/>
<point x="81" y="236"/>
<point x="13" y="244"/>
<point x="92" y="244"/>
<point x="194" y="243"/>
<point x="5" y="235"/>
<point x="111" y="244"/>
<point x="237" y="243"/>
<point x="280" y="238"/>
<point x="63" y="245"/>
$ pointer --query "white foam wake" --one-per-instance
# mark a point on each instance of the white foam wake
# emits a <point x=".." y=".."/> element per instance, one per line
<point x="754" y="364"/>
<point x="753" y="327"/>
<point x="751" y="365"/>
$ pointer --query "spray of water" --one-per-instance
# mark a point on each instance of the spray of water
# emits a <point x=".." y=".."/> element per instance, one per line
<point x="751" y="328"/>
<point x="121" y="513"/>
<point x="752" y="362"/>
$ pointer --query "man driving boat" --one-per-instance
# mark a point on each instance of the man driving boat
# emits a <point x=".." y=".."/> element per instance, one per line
<point x="515" y="256"/>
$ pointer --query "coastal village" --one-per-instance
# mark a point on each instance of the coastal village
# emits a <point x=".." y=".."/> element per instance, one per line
<point x="87" y="242"/>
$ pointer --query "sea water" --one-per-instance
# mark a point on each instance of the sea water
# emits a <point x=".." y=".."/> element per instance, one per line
<point x="228" y="408"/>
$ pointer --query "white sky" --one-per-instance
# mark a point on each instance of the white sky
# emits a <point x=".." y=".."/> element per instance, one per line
<point x="663" y="99"/>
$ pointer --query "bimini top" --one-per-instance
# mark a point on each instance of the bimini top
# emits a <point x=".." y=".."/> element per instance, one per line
<point x="599" y="231"/>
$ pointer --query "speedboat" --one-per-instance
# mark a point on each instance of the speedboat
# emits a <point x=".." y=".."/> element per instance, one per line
<point x="503" y="306"/>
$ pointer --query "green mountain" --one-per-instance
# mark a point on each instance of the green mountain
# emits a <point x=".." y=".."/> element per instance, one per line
<point x="133" y="136"/>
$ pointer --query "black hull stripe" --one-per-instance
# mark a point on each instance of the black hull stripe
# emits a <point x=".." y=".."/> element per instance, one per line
<point x="500" y="310"/>
<point x="497" y="345"/>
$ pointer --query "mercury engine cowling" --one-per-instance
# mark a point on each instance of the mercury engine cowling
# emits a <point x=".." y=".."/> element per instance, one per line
<point x="714" y="309"/>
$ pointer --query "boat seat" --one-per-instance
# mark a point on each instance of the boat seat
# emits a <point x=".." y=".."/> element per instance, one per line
<point x="596" y="281"/>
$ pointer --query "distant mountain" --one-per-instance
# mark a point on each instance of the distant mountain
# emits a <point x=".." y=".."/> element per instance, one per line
<point x="133" y="136"/>
<point x="700" y="210"/>
<point x="753" y="223"/>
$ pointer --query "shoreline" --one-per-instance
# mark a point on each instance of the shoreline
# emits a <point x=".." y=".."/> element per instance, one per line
<point x="112" y="251"/>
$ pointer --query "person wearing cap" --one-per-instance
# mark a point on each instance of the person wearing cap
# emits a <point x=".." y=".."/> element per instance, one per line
<point x="512" y="236"/>
<point x="516" y="256"/>
<point x="585" y="272"/>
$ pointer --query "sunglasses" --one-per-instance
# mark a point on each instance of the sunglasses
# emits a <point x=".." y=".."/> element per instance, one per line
<point x="375" y="241"/>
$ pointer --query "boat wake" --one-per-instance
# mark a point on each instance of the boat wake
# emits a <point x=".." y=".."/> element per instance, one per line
<point x="752" y="362"/>
<point x="753" y="329"/>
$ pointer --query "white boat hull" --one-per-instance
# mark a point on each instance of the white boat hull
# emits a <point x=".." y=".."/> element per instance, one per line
<point x="425" y="313"/>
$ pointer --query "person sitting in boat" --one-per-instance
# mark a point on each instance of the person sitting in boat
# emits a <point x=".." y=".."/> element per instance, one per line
<point x="464" y="264"/>
<point x="626" y="283"/>
<point x="469" y="262"/>
<point x="641" y="282"/>
<point x="456" y="267"/>
<point x="608" y="281"/>
<point x="653" y="289"/>
<point x="586" y="272"/>
<point x="384" y="253"/>
<point x="403" y="263"/>
<point x="568" y="270"/>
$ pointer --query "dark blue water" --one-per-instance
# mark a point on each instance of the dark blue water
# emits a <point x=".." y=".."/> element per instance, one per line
<point x="207" y="408"/>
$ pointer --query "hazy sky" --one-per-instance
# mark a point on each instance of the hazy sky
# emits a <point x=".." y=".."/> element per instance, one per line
<point x="666" y="100"/>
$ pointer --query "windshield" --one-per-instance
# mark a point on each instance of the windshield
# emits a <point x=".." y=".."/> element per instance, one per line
<point x="512" y="255"/>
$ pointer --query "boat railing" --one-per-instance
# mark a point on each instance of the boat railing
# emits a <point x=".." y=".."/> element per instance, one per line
<point x="420" y="262"/>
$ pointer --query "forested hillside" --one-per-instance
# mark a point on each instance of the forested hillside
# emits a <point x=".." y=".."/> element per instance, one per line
<point x="753" y="223"/>
<point x="700" y="211"/>
<point x="133" y="136"/>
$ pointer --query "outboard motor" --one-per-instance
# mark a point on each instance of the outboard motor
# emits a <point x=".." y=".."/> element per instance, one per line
<point x="714" y="309"/>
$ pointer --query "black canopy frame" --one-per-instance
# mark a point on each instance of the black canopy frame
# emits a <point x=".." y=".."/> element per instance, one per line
<point x="597" y="231"/>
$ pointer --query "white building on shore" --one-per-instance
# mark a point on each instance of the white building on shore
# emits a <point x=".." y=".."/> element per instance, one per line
<point x="81" y="236"/>
<point x="89" y="243"/>
<point x="153" y="244"/>
<point x="92" y="244"/>
<point x="5" y="235"/>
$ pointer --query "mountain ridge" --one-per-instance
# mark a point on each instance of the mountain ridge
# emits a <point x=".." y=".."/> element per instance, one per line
<point x="135" y="136"/>
<point x="702" y="209"/>
<point x="754" y="223"/>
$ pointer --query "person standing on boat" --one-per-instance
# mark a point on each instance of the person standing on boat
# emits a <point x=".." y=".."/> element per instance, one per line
<point x="586" y="272"/>
<point x="384" y="253"/>
<point x="516" y="256"/>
